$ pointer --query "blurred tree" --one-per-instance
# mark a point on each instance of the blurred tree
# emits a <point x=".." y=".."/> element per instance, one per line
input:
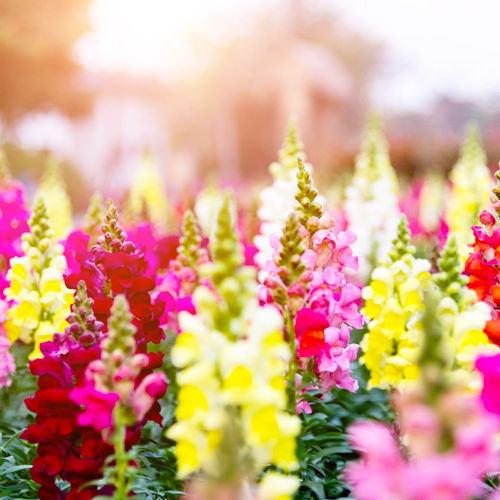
<point x="36" y="60"/>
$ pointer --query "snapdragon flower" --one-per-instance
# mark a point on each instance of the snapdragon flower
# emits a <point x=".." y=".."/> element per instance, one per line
<point x="393" y="306"/>
<point x="308" y="281"/>
<point x="231" y="418"/>
<point x="471" y="185"/>
<point x="115" y="397"/>
<point x="53" y="190"/>
<point x="147" y="200"/>
<point x="372" y="200"/>
<point x="41" y="299"/>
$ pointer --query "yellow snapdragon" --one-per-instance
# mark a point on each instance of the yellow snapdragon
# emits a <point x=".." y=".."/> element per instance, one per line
<point x="394" y="304"/>
<point x="231" y="415"/>
<point x="147" y="196"/>
<point x="42" y="301"/>
<point x="471" y="185"/>
<point x="53" y="190"/>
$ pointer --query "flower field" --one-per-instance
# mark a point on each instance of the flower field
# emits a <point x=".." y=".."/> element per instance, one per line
<point x="290" y="347"/>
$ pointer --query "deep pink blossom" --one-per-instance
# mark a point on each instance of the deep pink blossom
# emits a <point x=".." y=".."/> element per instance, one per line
<point x="98" y="407"/>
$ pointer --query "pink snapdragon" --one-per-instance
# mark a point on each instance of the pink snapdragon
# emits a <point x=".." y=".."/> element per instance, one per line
<point x="383" y="473"/>
<point x="13" y="223"/>
<point x="326" y="304"/>
<point x="170" y="291"/>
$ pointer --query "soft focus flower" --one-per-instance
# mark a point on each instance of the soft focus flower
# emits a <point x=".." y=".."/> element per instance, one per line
<point x="372" y="200"/>
<point x="278" y="200"/>
<point x="147" y="198"/>
<point x="53" y="190"/>
<point x="471" y="185"/>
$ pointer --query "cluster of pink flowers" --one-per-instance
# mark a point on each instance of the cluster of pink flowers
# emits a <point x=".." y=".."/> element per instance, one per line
<point x="423" y="470"/>
<point x="13" y="223"/>
<point x="327" y="304"/>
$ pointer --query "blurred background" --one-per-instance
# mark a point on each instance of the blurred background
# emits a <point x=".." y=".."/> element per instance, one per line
<point x="208" y="86"/>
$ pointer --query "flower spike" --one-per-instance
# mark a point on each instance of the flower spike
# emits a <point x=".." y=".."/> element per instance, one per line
<point x="83" y="325"/>
<point x="450" y="278"/>
<point x="114" y="238"/>
<point x="189" y="250"/>
<point x="401" y="244"/>
<point x="95" y="214"/>
<point x="225" y="247"/>
<point x="309" y="210"/>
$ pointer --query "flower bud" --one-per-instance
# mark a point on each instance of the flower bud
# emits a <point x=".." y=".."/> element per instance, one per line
<point x="307" y="277"/>
<point x="328" y="223"/>
<point x="128" y="247"/>
<point x="86" y="339"/>
<point x="116" y="244"/>
<point x="313" y="223"/>
<point x="117" y="357"/>
<point x="269" y="282"/>
<point x="486" y="218"/>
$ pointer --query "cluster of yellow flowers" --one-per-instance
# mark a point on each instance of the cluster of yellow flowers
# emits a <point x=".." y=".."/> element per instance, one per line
<point x="470" y="192"/>
<point x="53" y="190"/>
<point x="37" y="286"/>
<point x="231" y="418"/>
<point x="394" y="307"/>
<point x="394" y="304"/>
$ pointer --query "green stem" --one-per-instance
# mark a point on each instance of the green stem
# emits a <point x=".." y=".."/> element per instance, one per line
<point x="120" y="454"/>
<point x="292" y="365"/>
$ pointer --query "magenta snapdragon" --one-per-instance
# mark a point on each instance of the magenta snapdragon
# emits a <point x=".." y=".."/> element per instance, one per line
<point x="327" y="304"/>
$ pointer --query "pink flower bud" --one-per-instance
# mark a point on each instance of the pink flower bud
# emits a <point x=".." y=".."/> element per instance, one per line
<point x="117" y="357"/>
<point x="139" y="361"/>
<point x="269" y="283"/>
<point x="124" y="372"/>
<point x="296" y="290"/>
<point x="187" y="274"/>
<point x="128" y="247"/>
<point x="283" y="271"/>
<point x="328" y="223"/>
<point x="486" y="218"/>
<point x="307" y="277"/>
<point x="313" y="223"/>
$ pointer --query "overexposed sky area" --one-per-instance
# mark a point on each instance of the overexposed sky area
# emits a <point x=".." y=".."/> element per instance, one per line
<point x="434" y="47"/>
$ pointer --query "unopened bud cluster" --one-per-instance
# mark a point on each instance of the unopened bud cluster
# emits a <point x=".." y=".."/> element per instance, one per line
<point x="83" y="325"/>
<point x="114" y="238"/>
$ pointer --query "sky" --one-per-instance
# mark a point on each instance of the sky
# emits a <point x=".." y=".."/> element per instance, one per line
<point x="433" y="47"/>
